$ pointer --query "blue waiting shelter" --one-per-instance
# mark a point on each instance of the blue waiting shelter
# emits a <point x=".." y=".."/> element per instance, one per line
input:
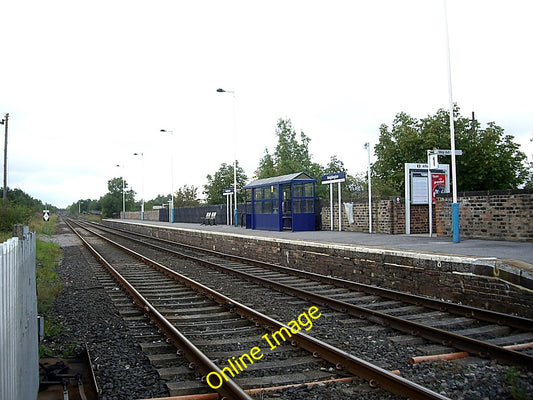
<point x="279" y="203"/>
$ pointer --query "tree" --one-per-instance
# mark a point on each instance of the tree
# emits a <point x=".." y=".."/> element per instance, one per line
<point x="186" y="196"/>
<point x="86" y="206"/>
<point x="290" y="155"/>
<point x="112" y="201"/>
<point x="223" y="179"/>
<point x="355" y="185"/>
<point x="160" y="200"/>
<point x="491" y="160"/>
<point x="529" y="180"/>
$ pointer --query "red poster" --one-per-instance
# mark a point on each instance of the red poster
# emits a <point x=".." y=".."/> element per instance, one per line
<point x="438" y="184"/>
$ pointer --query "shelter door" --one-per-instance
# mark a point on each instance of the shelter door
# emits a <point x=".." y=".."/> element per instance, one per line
<point x="286" y="206"/>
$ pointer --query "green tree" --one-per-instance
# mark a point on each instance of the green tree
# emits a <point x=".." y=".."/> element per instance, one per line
<point x="355" y="186"/>
<point x="186" y="196"/>
<point x="290" y="155"/>
<point x="223" y="179"/>
<point x="160" y="200"/>
<point x="112" y="200"/>
<point x="12" y="214"/>
<point x="20" y="198"/>
<point x="529" y="180"/>
<point x="491" y="160"/>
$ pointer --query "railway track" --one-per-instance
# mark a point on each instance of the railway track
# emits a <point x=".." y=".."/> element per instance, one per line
<point x="451" y="328"/>
<point x="230" y="338"/>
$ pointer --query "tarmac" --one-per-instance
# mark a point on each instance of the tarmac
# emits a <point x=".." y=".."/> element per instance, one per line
<point x="520" y="253"/>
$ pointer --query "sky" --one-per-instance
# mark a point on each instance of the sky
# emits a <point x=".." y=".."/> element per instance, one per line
<point x="88" y="84"/>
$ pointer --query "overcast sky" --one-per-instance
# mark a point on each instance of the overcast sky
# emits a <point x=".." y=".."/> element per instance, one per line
<point x="87" y="84"/>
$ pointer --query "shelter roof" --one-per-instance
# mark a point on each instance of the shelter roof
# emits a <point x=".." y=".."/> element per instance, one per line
<point x="298" y="177"/>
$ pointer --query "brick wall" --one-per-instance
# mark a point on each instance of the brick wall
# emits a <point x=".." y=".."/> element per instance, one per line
<point x="496" y="215"/>
<point x="388" y="217"/>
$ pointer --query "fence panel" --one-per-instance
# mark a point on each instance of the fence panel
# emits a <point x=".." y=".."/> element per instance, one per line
<point x="19" y="354"/>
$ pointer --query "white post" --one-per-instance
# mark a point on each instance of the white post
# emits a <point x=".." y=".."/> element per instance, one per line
<point x="455" y="205"/>
<point x="430" y="197"/>
<point x="331" y="204"/>
<point x="367" y="146"/>
<point x="340" y="209"/>
<point x="227" y="210"/>
<point x="407" y="196"/>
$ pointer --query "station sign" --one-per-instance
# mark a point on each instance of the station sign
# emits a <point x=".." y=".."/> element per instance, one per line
<point x="334" y="178"/>
<point x="440" y="152"/>
<point x="227" y="192"/>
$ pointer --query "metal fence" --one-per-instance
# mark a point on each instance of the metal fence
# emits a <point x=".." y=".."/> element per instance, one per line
<point x="19" y="354"/>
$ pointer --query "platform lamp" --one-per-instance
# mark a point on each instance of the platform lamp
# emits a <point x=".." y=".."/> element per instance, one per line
<point x="171" y="205"/>
<point x="123" y="195"/>
<point x="142" y="184"/>
<point x="4" y="195"/>
<point x="235" y="211"/>
<point x="455" y="204"/>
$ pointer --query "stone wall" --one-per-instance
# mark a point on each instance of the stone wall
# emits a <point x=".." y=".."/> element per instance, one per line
<point x="485" y="283"/>
<point x="496" y="215"/>
<point x="388" y="217"/>
<point x="150" y="215"/>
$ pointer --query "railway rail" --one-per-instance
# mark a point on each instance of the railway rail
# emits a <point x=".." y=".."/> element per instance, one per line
<point x="150" y="289"/>
<point x="414" y="315"/>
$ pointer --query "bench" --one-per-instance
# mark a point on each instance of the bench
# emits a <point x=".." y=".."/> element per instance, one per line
<point x="209" y="218"/>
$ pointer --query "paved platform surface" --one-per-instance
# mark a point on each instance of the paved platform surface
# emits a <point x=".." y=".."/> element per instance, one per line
<point x="504" y="250"/>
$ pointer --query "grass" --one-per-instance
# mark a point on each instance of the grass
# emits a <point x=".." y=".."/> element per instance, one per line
<point x="47" y="255"/>
<point x="514" y="386"/>
<point x="49" y="284"/>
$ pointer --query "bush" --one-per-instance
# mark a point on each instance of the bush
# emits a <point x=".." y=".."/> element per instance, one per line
<point x="13" y="214"/>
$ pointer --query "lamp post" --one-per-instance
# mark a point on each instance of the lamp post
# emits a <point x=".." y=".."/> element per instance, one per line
<point x="455" y="204"/>
<point x="367" y="146"/>
<point x="4" y="122"/>
<point x="123" y="195"/>
<point x="171" y="205"/>
<point x="142" y="183"/>
<point x="235" y="211"/>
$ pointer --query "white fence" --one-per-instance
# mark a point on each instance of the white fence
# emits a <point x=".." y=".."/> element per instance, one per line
<point x="19" y="353"/>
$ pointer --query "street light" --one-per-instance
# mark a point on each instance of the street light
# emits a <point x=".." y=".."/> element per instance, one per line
<point x="4" y="122"/>
<point x="455" y="204"/>
<point x="235" y="212"/>
<point x="171" y="205"/>
<point x="123" y="196"/>
<point x="142" y="184"/>
<point x="367" y="146"/>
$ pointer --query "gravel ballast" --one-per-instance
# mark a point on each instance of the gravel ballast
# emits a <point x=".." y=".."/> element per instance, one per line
<point x="123" y="372"/>
<point x="87" y="314"/>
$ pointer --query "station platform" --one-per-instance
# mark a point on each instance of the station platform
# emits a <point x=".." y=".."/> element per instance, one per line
<point x="517" y="253"/>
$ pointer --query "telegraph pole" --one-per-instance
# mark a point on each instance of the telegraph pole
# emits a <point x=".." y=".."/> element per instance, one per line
<point x="4" y="122"/>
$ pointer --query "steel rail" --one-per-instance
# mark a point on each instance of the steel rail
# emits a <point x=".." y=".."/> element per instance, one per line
<point x="385" y="379"/>
<point x="446" y="338"/>
<point x="435" y="304"/>
<point x="201" y="362"/>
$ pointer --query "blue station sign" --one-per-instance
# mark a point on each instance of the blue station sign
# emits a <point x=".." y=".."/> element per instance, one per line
<point x="226" y="192"/>
<point x="334" y="178"/>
